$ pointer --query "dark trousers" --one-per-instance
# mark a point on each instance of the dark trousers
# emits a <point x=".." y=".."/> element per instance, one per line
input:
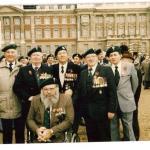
<point x="97" y="130"/>
<point x="8" y="125"/>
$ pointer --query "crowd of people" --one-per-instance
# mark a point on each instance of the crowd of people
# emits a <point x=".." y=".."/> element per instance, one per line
<point x="52" y="95"/>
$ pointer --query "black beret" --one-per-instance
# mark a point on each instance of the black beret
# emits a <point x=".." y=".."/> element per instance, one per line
<point x="77" y="55"/>
<point x="33" y="50"/>
<point x="98" y="51"/>
<point x="113" y="49"/>
<point x="89" y="51"/>
<point x="124" y="48"/>
<point x="59" y="48"/>
<point x="50" y="55"/>
<point x="48" y="81"/>
<point x="10" y="46"/>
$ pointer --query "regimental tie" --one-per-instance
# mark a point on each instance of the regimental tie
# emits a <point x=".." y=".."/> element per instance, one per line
<point x="89" y="81"/>
<point x="117" y="76"/>
<point x="62" y="69"/>
<point x="47" y="118"/>
<point x="10" y="67"/>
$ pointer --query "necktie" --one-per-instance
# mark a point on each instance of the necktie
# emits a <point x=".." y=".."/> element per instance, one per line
<point x="10" y="67"/>
<point x="62" y="69"/>
<point x="117" y="76"/>
<point x="47" y="118"/>
<point x="89" y="81"/>
<point x="36" y="69"/>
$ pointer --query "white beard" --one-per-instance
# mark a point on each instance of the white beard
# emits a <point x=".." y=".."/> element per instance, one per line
<point x="49" y="101"/>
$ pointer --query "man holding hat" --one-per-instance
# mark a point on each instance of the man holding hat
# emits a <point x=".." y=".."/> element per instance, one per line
<point x="97" y="94"/>
<point x="10" y="106"/>
<point x="26" y="83"/>
<point x="51" y="113"/>
<point x="67" y="75"/>
<point x="126" y="82"/>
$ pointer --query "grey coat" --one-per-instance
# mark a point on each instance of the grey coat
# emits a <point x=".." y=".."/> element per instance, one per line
<point x="127" y="86"/>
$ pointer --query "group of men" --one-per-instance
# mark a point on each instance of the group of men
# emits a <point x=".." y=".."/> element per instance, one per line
<point x="51" y="99"/>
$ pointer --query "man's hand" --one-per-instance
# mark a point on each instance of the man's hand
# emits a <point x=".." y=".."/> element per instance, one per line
<point x="39" y="132"/>
<point x="110" y="115"/>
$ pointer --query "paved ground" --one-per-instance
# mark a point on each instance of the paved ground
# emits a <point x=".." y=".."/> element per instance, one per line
<point x="144" y="118"/>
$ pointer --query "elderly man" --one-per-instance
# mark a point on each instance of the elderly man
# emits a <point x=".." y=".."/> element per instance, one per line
<point x="10" y="107"/>
<point x="26" y="82"/>
<point x="97" y="94"/>
<point x="51" y="113"/>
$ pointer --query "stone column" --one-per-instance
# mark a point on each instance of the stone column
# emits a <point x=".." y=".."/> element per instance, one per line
<point x="78" y="31"/>
<point x="148" y="25"/>
<point x="12" y="30"/>
<point x="22" y="46"/>
<point x="137" y="24"/>
<point x="92" y="26"/>
<point x="115" y="22"/>
<point x="105" y="26"/>
<point x="32" y="31"/>
<point x="126" y="25"/>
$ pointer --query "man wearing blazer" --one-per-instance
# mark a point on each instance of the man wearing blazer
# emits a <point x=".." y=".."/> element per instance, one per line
<point x="126" y="88"/>
<point x="67" y="74"/>
<point x="97" y="94"/>
<point x="60" y="113"/>
<point x="26" y="82"/>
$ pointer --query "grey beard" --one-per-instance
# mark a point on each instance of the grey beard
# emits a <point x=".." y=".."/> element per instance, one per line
<point x="49" y="101"/>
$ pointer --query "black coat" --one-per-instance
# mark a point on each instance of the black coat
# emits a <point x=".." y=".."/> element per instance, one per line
<point x="71" y="68"/>
<point x="26" y="84"/>
<point x="97" y="102"/>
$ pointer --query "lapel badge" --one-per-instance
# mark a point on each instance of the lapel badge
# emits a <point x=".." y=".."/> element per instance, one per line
<point x="30" y="72"/>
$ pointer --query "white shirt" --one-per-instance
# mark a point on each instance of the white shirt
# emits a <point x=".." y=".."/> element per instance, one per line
<point x="119" y="68"/>
<point x="93" y="68"/>
<point x="62" y="75"/>
<point x="33" y="66"/>
<point x="13" y="64"/>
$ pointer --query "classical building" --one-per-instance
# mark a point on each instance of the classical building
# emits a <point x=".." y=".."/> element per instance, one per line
<point x="77" y="26"/>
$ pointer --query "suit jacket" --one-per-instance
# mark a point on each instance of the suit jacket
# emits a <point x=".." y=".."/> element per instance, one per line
<point x="71" y="68"/>
<point x="26" y="85"/>
<point x="127" y="86"/>
<point x="99" y="101"/>
<point x="36" y="116"/>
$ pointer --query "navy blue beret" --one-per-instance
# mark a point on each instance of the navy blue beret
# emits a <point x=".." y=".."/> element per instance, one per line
<point x="49" y="81"/>
<point x="59" y="48"/>
<point x="33" y="50"/>
<point x="113" y="49"/>
<point x="89" y="51"/>
<point x="10" y="46"/>
<point x="77" y="55"/>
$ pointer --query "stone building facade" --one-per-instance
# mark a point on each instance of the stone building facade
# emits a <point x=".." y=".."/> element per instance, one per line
<point x="77" y="26"/>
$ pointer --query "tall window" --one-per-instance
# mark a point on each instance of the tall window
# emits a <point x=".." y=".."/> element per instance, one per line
<point x="7" y="34"/>
<point x="47" y="33"/>
<point x="55" y="20"/>
<point x="37" y="20"/>
<point x="6" y="21"/>
<point x="17" y="21"/>
<point x="64" y="33"/>
<point x="56" y="33"/>
<point x="27" y="21"/>
<point x="72" y="20"/>
<point x="38" y="33"/>
<point x="17" y="34"/>
<point x="73" y="33"/>
<point x="27" y="34"/>
<point x="64" y="20"/>
<point x="47" y="20"/>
